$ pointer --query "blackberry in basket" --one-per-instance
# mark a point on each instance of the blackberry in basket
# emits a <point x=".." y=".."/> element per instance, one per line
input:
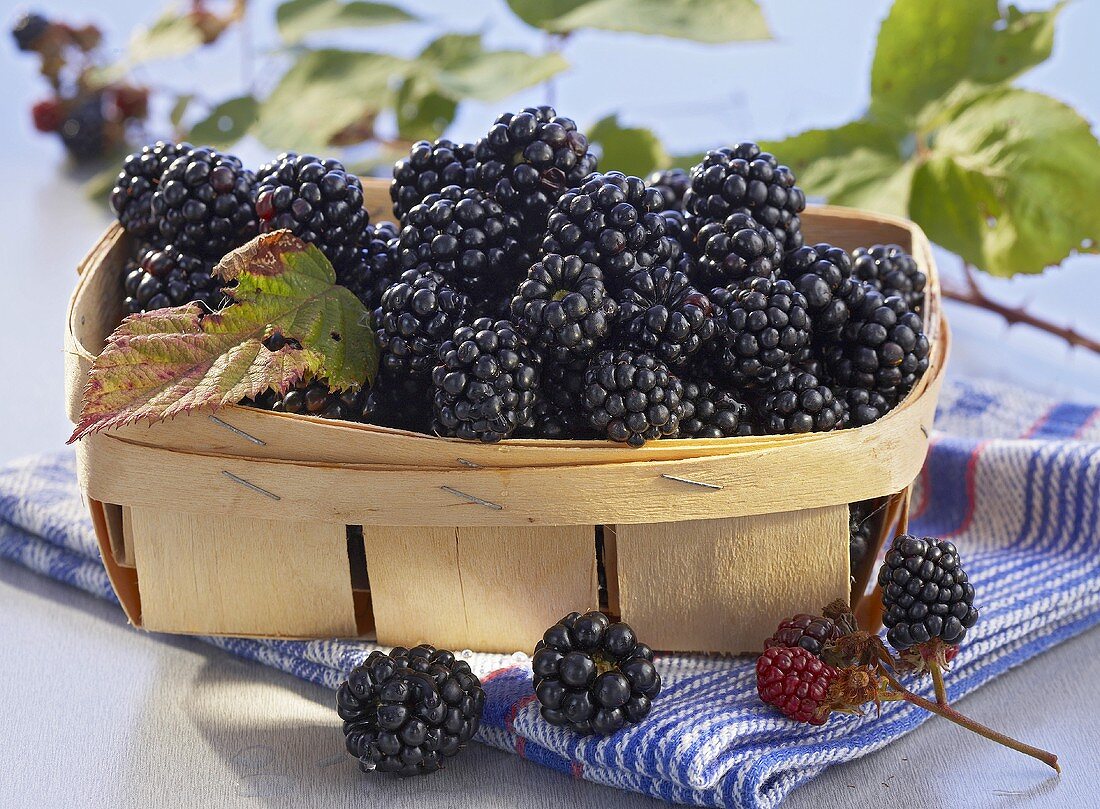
<point x="823" y="274"/>
<point x="132" y="196"/>
<point x="203" y="204"/>
<point x="486" y="381"/>
<point x="161" y="277"/>
<point x="528" y="159"/>
<point x="314" y="397"/>
<point x="891" y="271"/>
<point x="672" y="183"/>
<point x="742" y="178"/>
<point x="797" y="402"/>
<point x="429" y="168"/>
<point x="408" y="711"/>
<point x="612" y="221"/>
<point x="632" y="397"/>
<point x="734" y="250"/>
<point x="564" y="308"/>
<point x="558" y="411"/>
<point x="400" y="402"/>
<point x="593" y="676"/>
<point x="374" y="266"/>
<point x="865" y="406"/>
<point x="710" y="412"/>
<point x="416" y="315"/>
<point x="316" y="199"/>
<point x="661" y="313"/>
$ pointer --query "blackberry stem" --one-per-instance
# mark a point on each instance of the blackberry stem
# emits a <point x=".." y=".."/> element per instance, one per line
<point x="937" y="681"/>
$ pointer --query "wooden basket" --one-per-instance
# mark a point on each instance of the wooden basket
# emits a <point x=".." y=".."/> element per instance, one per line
<point x="255" y="523"/>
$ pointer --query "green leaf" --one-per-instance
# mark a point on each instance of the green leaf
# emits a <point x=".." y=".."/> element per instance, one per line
<point x="422" y="113"/>
<point x="543" y="13"/>
<point x="927" y="47"/>
<point x="298" y="19"/>
<point x="1010" y="184"/>
<point x="710" y="21"/>
<point x="173" y="34"/>
<point x="179" y="109"/>
<point x="631" y="150"/>
<point x="324" y="93"/>
<point x="162" y="363"/>
<point x="227" y="123"/>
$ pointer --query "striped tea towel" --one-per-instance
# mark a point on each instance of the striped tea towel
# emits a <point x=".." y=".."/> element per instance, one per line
<point x="1012" y="478"/>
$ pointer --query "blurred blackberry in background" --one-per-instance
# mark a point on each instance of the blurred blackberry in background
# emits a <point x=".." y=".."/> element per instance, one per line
<point x="823" y="274"/>
<point x="672" y="183"/>
<point x="742" y="178"/>
<point x="315" y="199"/>
<point x="486" y="382"/>
<point x="374" y="267"/>
<point x="632" y="397"/>
<point x="83" y="131"/>
<point x="314" y="398"/>
<point x="891" y="271"/>
<point x="203" y="204"/>
<point x="429" y="168"/>
<point x="710" y="412"/>
<point x="797" y="402"/>
<point x="416" y="315"/>
<point x="563" y="307"/>
<point x="528" y="159"/>
<point x="132" y="196"/>
<point x="160" y="277"/>
<point x="28" y="30"/>
<point x="661" y="313"/>
<point x="733" y="250"/>
<point x="612" y="221"/>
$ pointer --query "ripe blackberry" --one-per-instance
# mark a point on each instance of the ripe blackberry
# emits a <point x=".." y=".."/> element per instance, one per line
<point x="374" y="267"/>
<point x="132" y="196"/>
<point x="711" y="412"/>
<point x="316" y="199"/>
<point x="823" y="274"/>
<point x="881" y="348"/>
<point x="593" y="676"/>
<point x="406" y="711"/>
<point x="925" y="592"/>
<point x="810" y="632"/>
<point x="313" y="397"/>
<point x="865" y="406"/>
<point x="161" y="277"/>
<point x="798" y="403"/>
<point x="429" y="168"/>
<point x="632" y="397"/>
<point x="416" y="315"/>
<point x="83" y="132"/>
<point x="28" y="30"/>
<point x="761" y="328"/>
<point x="467" y="238"/>
<point x="744" y="178"/>
<point x="528" y="159"/>
<point x="486" y="382"/>
<point x="563" y="307"/>
<point x="400" y="402"/>
<point x="683" y="249"/>
<point x="734" y="250"/>
<point x="795" y="681"/>
<point x="203" y="204"/>
<point x="612" y="221"/>
<point x="891" y="271"/>
<point x="672" y="183"/>
<point x="661" y="313"/>
<point x="558" y="412"/>
<point x="860" y="526"/>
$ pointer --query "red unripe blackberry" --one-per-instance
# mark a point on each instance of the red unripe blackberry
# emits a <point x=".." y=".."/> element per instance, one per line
<point x="429" y="168"/>
<point x="795" y="681"/>
<point x="48" y="114"/>
<point x="811" y="632"/>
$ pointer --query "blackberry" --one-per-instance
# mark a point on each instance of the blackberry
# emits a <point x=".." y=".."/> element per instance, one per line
<point x="925" y="592"/>
<point x="558" y="411"/>
<point x="891" y="271"/>
<point x="823" y="274"/>
<point x="810" y="632"/>
<point x="467" y="238"/>
<point x="485" y="382"/>
<point x="865" y="406"/>
<point x="132" y="196"/>
<point x="400" y="402"/>
<point x="563" y="307"/>
<point x="632" y="397"/>
<point x="860" y="528"/>
<point x="672" y="183"/>
<point x="406" y="711"/>
<point x="612" y="221"/>
<point x="881" y="348"/>
<point x="761" y="328"/>
<point x="83" y="131"/>
<point x="796" y="682"/>
<point x="374" y="267"/>
<point x="316" y="199"/>
<point x="313" y="397"/>
<point x="798" y="403"/>
<point x="735" y="250"/>
<point x="161" y="277"/>
<point x="661" y="313"/>
<point x="683" y="249"/>
<point x="711" y="412"/>
<point x="592" y="675"/>
<point x="528" y="159"/>
<point x="203" y="204"/>
<point x="416" y="315"/>
<point x="742" y="178"/>
<point x="429" y="168"/>
<point x="28" y="30"/>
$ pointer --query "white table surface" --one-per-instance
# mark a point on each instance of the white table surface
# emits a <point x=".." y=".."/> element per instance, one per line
<point x="97" y="714"/>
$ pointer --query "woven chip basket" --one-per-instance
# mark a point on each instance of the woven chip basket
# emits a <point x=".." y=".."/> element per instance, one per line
<point x="247" y="522"/>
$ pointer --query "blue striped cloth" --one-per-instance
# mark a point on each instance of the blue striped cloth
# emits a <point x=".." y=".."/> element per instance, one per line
<point x="1012" y="478"/>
